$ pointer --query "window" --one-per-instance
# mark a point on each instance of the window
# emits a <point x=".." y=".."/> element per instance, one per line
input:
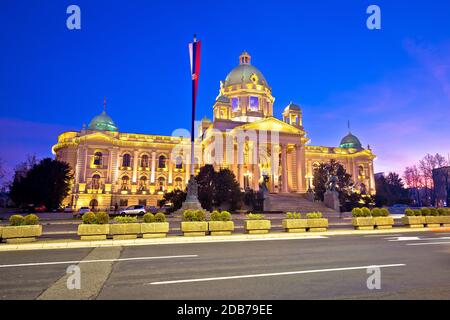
<point x="361" y="171"/>
<point x="123" y="202"/>
<point x="143" y="183"/>
<point x="178" y="183"/>
<point x="234" y="104"/>
<point x="142" y="202"/>
<point x="253" y="104"/>
<point x="125" y="183"/>
<point x="161" y="184"/>
<point x="96" y="182"/>
<point x="179" y="163"/>
<point x="144" y="161"/>
<point x="98" y="159"/>
<point x="161" y="162"/>
<point x="126" y="160"/>
<point x="93" y="204"/>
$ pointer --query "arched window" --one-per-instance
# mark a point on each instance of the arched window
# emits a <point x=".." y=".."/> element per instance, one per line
<point x="161" y="184"/>
<point x="125" y="183"/>
<point x="96" y="182"/>
<point x="361" y="171"/>
<point x="178" y="183"/>
<point x="98" y="159"/>
<point x="93" y="204"/>
<point x="144" y="161"/>
<point x="162" y="162"/>
<point x="126" y="160"/>
<point x="143" y="183"/>
<point x="179" y="162"/>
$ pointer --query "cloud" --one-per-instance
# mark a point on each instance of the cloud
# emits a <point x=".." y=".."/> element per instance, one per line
<point x="403" y="116"/>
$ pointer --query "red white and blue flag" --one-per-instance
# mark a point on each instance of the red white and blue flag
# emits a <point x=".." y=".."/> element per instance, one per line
<point x="194" y="50"/>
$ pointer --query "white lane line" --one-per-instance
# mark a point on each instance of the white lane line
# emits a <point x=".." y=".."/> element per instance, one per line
<point x="94" y="261"/>
<point x="421" y="239"/>
<point x="275" y="274"/>
<point x="426" y="243"/>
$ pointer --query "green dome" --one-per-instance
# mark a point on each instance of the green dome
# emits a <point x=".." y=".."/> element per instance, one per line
<point x="243" y="74"/>
<point x="350" y="142"/>
<point x="103" y="122"/>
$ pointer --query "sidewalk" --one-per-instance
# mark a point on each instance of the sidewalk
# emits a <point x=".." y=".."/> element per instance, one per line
<point x="72" y="244"/>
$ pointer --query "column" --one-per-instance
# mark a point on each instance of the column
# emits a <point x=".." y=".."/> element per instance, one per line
<point x="152" y="175"/>
<point x="135" y="165"/>
<point x="256" y="170"/>
<point x="240" y="164"/>
<point x="284" y="185"/>
<point x="274" y="164"/>
<point x="300" y="172"/>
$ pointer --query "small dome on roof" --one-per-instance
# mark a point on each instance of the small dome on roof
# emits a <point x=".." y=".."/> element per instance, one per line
<point x="292" y="106"/>
<point x="350" y="142"/>
<point x="103" y="122"/>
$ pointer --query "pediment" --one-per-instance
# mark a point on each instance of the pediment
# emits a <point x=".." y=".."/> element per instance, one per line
<point x="270" y="124"/>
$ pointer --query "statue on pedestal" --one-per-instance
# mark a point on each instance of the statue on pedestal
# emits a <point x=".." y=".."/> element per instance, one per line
<point x="191" y="201"/>
<point x="331" y="196"/>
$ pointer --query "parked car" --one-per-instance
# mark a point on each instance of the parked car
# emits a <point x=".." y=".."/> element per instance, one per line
<point x="398" y="208"/>
<point x="133" y="210"/>
<point x="68" y="209"/>
<point x="41" y="208"/>
<point x="81" y="211"/>
<point x="152" y="209"/>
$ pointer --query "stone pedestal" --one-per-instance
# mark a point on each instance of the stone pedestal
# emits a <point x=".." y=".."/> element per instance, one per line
<point x="331" y="200"/>
<point x="191" y="202"/>
<point x="310" y="195"/>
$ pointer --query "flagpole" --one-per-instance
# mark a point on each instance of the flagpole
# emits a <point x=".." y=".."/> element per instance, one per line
<point x="193" y="119"/>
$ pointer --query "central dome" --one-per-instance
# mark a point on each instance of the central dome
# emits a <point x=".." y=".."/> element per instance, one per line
<point x="350" y="142"/>
<point x="245" y="73"/>
<point x="103" y="122"/>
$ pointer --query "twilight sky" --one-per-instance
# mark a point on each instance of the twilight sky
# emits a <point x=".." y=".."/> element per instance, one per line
<point x="393" y="84"/>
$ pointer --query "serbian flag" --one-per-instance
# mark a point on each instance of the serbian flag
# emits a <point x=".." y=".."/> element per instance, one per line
<point x="194" y="50"/>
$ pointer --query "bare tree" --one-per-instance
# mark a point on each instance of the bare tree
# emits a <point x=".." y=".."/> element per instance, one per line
<point x="426" y="167"/>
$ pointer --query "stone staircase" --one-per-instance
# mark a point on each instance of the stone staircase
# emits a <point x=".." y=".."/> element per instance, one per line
<point x="286" y="202"/>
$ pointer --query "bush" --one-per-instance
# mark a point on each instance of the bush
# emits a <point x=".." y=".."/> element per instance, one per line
<point x="125" y="219"/>
<point x="220" y="216"/>
<point x="384" y="212"/>
<point x="409" y="213"/>
<point x="194" y="215"/>
<point x="293" y="215"/>
<point x="426" y="212"/>
<point x="102" y="218"/>
<point x="255" y="216"/>
<point x="188" y="215"/>
<point x="160" y="217"/>
<point x="434" y="212"/>
<point x="376" y="212"/>
<point x="366" y="212"/>
<point x="225" y="215"/>
<point x="357" y="212"/>
<point x="417" y="212"/>
<point x="89" y="218"/>
<point x="441" y="211"/>
<point x="31" y="220"/>
<point x="215" y="216"/>
<point x="314" y="215"/>
<point x="149" y="217"/>
<point x="16" y="220"/>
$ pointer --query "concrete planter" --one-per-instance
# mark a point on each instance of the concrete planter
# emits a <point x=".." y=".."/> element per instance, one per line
<point x="21" y="234"/>
<point x="317" y="225"/>
<point x="154" y="230"/>
<point x="413" y="222"/>
<point x="194" y="228"/>
<point x="295" y="225"/>
<point x="125" y="231"/>
<point x="363" y="223"/>
<point x="257" y="226"/>
<point x="220" y="228"/>
<point x="1" y="230"/>
<point x="90" y="232"/>
<point x="433" y="221"/>
<point x="384" y="222"/>
<point x="445" y="221"/>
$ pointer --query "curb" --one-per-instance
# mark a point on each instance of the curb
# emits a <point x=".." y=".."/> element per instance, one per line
<point x="78" y="244"/>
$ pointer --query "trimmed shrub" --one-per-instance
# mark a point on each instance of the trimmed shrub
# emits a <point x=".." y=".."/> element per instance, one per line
<point x="366" y="212"/>
<point x="417" y="212"/>
<point x="409" y="213"/>
<point x="255" y="216"/>
<point x="215" y="216"/>
<point x="226" y="216"/>
<point x="188" y="215"/>
<point x="376" y="212"/>
<point x="293" y="215"/>
<point x="384" y="212"/>
<point x="160" y="217"/>
<point x="149" y="217"/>
<point x="442" y="212"/>
<point x="194" y="215"/>
<point x="434" y="212"/>
<point x="89" y="218"/>
<point x="425" y="212"/>
<point x="314" y="215"/>
<point x="16" y="220"/>
<point x="31" y="220"/>
<point x="125" y="219"/>
<point x="357" y="212"/>
<point x="102" y="218"/>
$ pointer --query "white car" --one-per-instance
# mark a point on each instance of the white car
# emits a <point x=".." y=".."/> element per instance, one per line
<point x="133" y="210"/>
<point x="82" y="211"/>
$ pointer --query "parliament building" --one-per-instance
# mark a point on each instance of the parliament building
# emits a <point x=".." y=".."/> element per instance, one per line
<point x="111" y="167"/>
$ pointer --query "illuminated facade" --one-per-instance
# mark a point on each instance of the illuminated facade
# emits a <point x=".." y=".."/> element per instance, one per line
<point x="125" y="169"/>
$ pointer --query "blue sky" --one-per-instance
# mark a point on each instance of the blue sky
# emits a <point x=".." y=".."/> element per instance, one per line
<point x="392" y="84"/>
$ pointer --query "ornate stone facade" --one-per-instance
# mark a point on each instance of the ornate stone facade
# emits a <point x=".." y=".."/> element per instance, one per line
<point x="112" y="168"/>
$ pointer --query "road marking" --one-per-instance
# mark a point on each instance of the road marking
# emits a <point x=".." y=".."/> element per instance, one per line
<point x="418" y="238"/>
<point x="260" y="275"/>
<point x="94" y="261"/>
<point x="383" y="235"/>
<point x="426" y="243"/>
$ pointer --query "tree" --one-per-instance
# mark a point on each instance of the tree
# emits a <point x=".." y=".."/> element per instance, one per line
<point x="390" y="190"/>
<point x="176" y="197"/>
<point x="45" y="183"/>
<point x="206" y="186"/>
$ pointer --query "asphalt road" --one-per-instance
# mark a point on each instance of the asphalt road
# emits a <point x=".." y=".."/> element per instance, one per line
<point x="414" y="266"/>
